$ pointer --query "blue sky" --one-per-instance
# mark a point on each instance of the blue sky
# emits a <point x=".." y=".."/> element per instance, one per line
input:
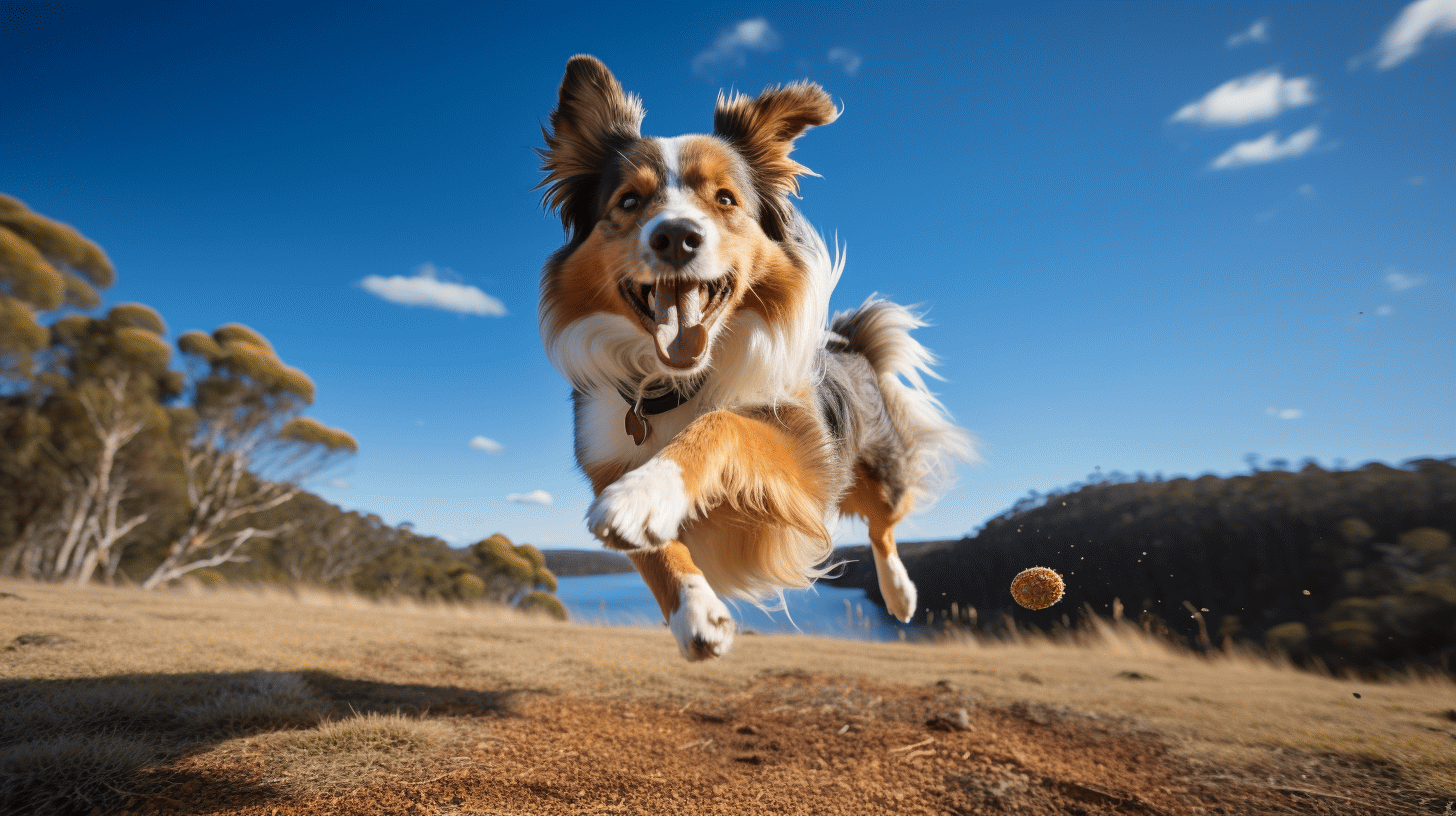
<point x="1152" y="237"/>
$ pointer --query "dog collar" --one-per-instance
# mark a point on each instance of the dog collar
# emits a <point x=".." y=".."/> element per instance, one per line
<point x="641" y="406"/>
<point x="661" y="404"/>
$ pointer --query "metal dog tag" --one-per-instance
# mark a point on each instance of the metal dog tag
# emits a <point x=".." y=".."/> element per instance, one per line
<point x="637" y="426"/>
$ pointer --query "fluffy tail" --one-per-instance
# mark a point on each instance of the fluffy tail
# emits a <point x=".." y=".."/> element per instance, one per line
<point x="880" y="330"/>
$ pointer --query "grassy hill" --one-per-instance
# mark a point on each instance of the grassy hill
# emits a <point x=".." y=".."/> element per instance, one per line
<point x="1354" y="569"/>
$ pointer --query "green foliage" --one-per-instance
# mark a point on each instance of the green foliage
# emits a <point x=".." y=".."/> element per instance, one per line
<point x="137" y="316"/>
<point x="312" y="432"/>
<point x="80" y="294"/>
<point x="26" y="276"/>
<point x="1425" y="542"/>
<point x="200" y="344"/>
<point x="1287" y="638"/>
<point x="57" y="243"/>
<point x="543" y="602"/>
<point x="18" y="328"/>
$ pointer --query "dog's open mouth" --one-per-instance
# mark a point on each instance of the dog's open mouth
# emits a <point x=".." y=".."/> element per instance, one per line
<point x="678" y="313"/>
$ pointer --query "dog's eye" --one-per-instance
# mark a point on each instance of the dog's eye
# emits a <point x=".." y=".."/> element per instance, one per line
<point x="726" y="198"/>
<point x="629" y="202"/>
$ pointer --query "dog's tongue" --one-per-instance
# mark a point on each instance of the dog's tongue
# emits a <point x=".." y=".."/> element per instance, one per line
<point x="681" y="336"/>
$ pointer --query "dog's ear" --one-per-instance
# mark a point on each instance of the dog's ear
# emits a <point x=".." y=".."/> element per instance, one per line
<point x="763" y="130"/>
<point x="594" y="118"/>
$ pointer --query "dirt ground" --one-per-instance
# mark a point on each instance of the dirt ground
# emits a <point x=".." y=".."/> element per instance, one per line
<point x="264" y="704"/>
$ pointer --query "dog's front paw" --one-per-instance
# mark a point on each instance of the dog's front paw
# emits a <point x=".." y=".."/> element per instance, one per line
<point x="702" y="624"/>
<point x="642" y="510"/>
<point x="896" y="587"/>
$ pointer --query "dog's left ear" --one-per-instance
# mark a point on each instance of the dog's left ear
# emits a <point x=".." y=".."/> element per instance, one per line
<point x="763" y="130"/>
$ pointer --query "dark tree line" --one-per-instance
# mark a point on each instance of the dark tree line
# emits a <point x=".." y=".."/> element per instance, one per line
<point x="1354" y="568"/>
<point x="116" y="466"/>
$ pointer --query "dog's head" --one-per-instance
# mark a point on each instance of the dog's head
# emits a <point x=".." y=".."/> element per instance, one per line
<point x="674" y="236"/>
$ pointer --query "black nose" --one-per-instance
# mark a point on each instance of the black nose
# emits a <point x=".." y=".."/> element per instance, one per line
<point x="676" y="241"/>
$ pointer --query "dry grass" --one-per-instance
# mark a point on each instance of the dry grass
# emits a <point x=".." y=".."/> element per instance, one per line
<point x="271" y="694"/>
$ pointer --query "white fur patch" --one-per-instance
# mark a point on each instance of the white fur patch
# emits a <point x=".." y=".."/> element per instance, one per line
<point x="644" y="509"/>
<point x="896" y="586"/>
<point x="702" y="624"/>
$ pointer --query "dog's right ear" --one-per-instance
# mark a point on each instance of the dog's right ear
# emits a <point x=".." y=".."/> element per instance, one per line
<point x="594" y="118"/>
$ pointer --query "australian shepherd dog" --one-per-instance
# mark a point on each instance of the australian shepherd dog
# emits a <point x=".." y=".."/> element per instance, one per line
<point x="723" y="426"/>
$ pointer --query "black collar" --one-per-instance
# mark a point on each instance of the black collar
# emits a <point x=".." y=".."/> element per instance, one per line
<point x="652" y="406"/>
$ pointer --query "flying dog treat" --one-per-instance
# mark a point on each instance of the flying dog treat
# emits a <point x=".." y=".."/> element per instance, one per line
<point x="1037" y="588"/>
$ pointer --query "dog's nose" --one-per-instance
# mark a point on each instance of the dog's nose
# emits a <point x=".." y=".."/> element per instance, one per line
<point x="676" y="241"/>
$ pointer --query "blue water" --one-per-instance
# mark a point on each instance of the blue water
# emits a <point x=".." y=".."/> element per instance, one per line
<point x="623" y="600"/>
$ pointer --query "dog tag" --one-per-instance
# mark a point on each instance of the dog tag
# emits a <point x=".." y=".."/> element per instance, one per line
<point x="637" y="427"/>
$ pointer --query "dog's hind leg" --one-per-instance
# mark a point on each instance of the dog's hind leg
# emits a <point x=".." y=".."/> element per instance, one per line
<point x="698" y="619"/>
<point x="866" y="498"/>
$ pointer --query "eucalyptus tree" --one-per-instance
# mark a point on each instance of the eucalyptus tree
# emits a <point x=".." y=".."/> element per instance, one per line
<point x="44" y="265"/>
<point x="248" y="447"/>
<point x="110" y="434"/>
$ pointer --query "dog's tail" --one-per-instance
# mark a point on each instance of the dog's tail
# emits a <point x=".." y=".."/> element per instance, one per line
<point x="880" y="330"/>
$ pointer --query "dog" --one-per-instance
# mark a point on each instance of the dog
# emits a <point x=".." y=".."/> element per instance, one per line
<point x="722" y="426"/>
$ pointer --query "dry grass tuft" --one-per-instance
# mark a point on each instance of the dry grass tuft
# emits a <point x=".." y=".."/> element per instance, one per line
<point x="345" y="754"/>
<point x="70" y="772"/>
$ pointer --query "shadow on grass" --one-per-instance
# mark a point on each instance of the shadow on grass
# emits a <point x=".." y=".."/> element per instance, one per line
<point x="76" y="745"/>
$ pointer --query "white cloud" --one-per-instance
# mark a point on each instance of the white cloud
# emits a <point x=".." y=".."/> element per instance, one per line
<point x="534" y="497"/>
<point x="490" y="446"/>
<point x="1417" y="23"/>
<point x="425" y="288"/>
<point x="1256" y="33"/>
<point x="731" y="46"/>
<point x="846" y="58"/>
<point x="1399" y="281"/>
<point x="1284" y="413"/>
<point x="340" y="484"/>
<point x="1306" y="191"/>
<point x="1268" y="148"/>
<point x="1253" y="98"/>
<point x="1385" y="311"/>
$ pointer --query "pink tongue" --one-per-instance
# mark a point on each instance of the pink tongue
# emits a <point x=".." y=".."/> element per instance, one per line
<point x="681" y="336"/>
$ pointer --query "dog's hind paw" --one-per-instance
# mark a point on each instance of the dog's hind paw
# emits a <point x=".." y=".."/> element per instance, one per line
<point x="643" y="510"/>
<point x="896" y="587"/>
<point x="702" y="624"/>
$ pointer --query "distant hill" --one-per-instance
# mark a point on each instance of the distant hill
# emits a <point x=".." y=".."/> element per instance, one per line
<point x="563" y="563"/>
<point x="1354" y="568"/>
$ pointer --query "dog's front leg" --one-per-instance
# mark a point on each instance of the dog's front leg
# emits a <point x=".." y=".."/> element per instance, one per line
<point x="699" y="621"/>
<point x="751" y="462"/>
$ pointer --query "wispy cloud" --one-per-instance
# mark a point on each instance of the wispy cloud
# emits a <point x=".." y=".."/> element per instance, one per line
<point x="1417" y="24"/>
<point x="847" y="59"/>
<point x="1258" y="32"/>
<point x="1385" y="311"/>
<point x="534" y="497"/>
<point x="340" y="484"/>
<point x="1253" y="98"/>
<point x="731" y="48"/>
<point x="1399" y="281"/>
<point x="425" y="288"/>
<point x="489" y="446"/>
<point x="1284" y="413"/>
<point x="1307" y="192"/>
<point x="1268" y="148"/>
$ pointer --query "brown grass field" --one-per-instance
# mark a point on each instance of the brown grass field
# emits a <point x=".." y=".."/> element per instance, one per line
<point x="263" y="702"/>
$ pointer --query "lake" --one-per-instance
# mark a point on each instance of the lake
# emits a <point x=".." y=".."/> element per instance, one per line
<point x="623" y="600"/>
